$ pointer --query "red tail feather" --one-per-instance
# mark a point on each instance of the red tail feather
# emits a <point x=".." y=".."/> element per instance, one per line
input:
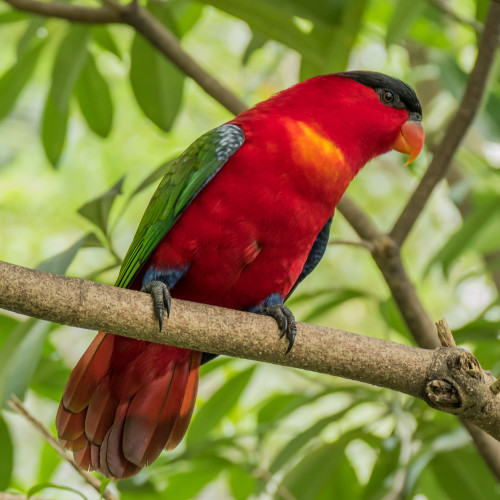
<point x="117" y="428"/>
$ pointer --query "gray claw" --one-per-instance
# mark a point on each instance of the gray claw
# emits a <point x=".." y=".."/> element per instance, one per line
<point x="161" y="299"/>
<point x="285" y="320"/>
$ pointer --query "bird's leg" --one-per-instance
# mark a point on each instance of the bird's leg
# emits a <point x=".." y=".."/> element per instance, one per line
<point x="161" y="298"/>
<point x="282" y="315"/>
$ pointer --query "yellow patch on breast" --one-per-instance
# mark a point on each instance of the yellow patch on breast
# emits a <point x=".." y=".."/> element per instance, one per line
<point x="310" y="146"/>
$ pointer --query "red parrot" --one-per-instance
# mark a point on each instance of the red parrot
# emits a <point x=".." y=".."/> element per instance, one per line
<point x="238" y="221"/>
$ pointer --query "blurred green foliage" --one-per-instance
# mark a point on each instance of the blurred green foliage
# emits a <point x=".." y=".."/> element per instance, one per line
<point x="89" y="116"/>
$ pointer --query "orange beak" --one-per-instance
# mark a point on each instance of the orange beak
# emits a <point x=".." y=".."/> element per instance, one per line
<point x="410" y="140"/>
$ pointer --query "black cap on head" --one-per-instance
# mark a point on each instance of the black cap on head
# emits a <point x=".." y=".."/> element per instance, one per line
<point x="391" y="91"/>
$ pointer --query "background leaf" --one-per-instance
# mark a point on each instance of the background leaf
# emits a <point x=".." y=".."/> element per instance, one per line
<point x="70" y="59"/>
<point x="6" y="455"/>
<point x="94" y="98"/>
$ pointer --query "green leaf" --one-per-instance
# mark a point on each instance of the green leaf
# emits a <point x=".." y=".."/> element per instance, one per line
<point x="97" y="210"/>
<point x="277" y="20"/>
<point x="336" y="39"/>
<point x="486" y="211"/>
<point x="94" y="98"/>
<point x="157" y="84"/>
<point x="405" y="13"/>
<point x="7" y="324"/>
<point x="393" y="318"/>
<point x="186" y="14"/>
<point x="13" y="80"/>
<point x="323" y="474"/>
<point x="462" y="474"/>
<point x="132" y="490"/>
<point x="478" y="330"/>
<point x="380" y="479"/>
<point x="70" y="59"/>
<point x="103" y="37"/>
<point x="334" y="299"/>
<point x="278" y="406"/>
<point x="241" y="482"/>
<point x="154" y="176"/>
<point x="256" y="42"/>
<point x="43" y="486"/>
<point x="30" y="36"/>
<point x="289" y="451"/>
<point x="104" y="484"/>
<point x="13" y="16"/>
<point x="50" y="377"/>
<point x="215" y="364"/>
<point x="6" y="455"/>
<point x="58" y="264"/>
<point x="49" y="460"/>
<point x="19" y="358"/>
<point x="219" y="405"/>
<point x="194" y="476"/>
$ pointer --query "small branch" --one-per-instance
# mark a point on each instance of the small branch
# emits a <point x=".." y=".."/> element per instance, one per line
<point x="69" y="12"/>
<point x="360" y="222"/>
<point x="411" y="370"/>
<point x="359" y="243"/>
<point x="282" y="491"/>
<point x="444" y="334"/>
<point x="18" y="407"/>
<point x="445" y="8"/>
<point x="457" y="127"/>
<point x="145" y="23"/>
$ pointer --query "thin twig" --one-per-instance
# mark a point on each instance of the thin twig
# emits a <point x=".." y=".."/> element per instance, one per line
<point x="457" y="127"/>
<point x="16" y="404"/>
<point x="281" y="489"/>
<point x="359" y="243"/>
<point x="446" y="9"/>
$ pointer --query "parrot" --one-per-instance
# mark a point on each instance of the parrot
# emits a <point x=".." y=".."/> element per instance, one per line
<point x="239" y="219"/>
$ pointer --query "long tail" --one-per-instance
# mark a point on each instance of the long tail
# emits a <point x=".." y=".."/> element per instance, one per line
<point x="125" y="401"/>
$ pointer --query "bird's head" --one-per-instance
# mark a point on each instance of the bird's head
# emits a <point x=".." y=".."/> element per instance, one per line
<point x="388" y="108"/>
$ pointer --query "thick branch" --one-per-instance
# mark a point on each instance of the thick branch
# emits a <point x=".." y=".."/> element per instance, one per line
<point x="146" y="24"/>
<point x="443" y="378"/>
<point x="457" y="127"/>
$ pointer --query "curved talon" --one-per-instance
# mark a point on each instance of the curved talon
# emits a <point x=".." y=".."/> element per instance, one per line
<point x="161" y="299"/>
<point x="285" y="319"/>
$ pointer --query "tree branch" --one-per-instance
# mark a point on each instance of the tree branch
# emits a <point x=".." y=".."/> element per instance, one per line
<point x="69" y="12"/>
<point x="448" y="379"/>
<point x="145" y="23"/>
<point x="457" y="127"/>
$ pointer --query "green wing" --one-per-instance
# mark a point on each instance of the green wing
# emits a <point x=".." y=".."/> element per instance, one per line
<point x="186" y="176"/>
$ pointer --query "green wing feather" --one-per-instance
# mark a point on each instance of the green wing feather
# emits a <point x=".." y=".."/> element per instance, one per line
<point x="185" y="177"/>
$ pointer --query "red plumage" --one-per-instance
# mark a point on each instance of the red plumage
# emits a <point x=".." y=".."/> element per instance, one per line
<point x="244" y="237"/>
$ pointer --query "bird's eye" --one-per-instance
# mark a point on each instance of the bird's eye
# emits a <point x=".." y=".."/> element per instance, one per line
<point x="387" y="96"/>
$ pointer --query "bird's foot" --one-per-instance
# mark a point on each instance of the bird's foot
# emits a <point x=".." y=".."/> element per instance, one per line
<point x="285" y="319"/>
<point x="161" y="298"/>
